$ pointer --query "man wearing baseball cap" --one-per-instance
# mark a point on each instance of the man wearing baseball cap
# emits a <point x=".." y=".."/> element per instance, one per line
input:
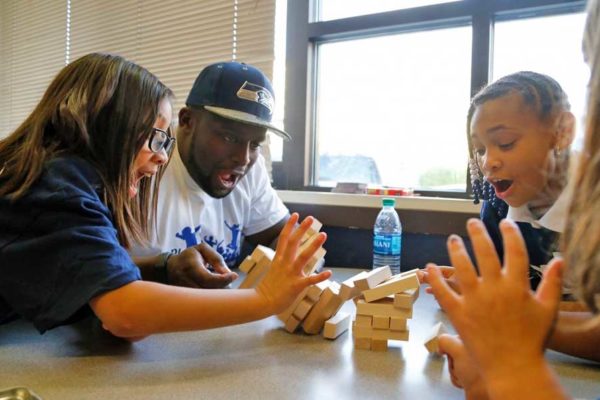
<point x="216" y="191"/>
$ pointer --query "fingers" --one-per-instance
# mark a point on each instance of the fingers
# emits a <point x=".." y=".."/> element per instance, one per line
<point x="445" y="296"/>
<point x="485" y="252"/>
<point x="549" y="290"/>
<point x="203" y="278"/>
<point x="212" y="257"/>
<point x="304" y="257"/>
<point x="464" y="269"/>
<point x="453" y="348"/>
<point x="516" y="260"/>
<point x="316" y="278"/>
<point x="287" y="230"/>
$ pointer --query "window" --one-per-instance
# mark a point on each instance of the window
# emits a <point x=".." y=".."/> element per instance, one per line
<point x="550" y="45"/>
<point x="336" y="9"/>
<point x="387" y="100"/>
<point x="382" y="97"/>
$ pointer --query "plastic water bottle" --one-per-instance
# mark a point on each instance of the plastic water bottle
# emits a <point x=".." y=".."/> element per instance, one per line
<point x="387" y="237"/>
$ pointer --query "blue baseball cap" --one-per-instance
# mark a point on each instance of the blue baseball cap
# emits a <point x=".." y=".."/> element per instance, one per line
<point x="236" y="91"/>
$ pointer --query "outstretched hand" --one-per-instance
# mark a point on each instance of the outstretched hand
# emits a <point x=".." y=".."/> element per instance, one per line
<point x="285" y="279"/>
<point x="503" y="324"/>
<point x="199" y="266"/>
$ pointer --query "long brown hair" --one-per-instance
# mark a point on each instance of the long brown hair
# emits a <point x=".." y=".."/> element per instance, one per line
<point x="582" y="234"/>
<point x="101" y="108"/>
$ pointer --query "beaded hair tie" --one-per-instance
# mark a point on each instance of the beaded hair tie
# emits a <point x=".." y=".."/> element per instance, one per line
<point x="483" y="190"/>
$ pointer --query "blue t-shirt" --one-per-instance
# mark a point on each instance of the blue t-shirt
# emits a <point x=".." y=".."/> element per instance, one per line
<point x="59" y="247"/>
<point x="540" y="243"/>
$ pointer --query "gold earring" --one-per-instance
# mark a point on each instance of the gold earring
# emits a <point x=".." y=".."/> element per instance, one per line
<point x="557" y="151"/>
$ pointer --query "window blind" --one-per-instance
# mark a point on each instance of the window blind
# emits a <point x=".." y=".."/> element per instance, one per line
<point x="32" y="51"/>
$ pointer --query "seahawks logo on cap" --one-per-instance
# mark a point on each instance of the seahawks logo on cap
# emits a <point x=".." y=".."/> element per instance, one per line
<point x="257" y="94"/>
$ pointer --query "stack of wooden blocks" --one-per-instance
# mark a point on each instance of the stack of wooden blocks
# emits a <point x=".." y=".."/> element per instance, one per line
<point x="382" y="310"/>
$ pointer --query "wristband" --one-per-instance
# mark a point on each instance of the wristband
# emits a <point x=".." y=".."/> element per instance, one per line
<point x="160" y="268"/>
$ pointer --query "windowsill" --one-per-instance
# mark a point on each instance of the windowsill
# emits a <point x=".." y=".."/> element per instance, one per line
<point x="420" y="203"/>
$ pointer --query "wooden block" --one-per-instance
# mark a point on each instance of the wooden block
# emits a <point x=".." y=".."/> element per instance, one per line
<point x="247" y="264"/>
<point x="395" y="285"/>
<point x="379" y="334"/>
<point x="362" y="343"/>
<point x="406" y="299"/>
<point x="381" y="322"/>
<point x="412" y="271"/>
<point x="329" y="303"/>
<point x="431" y="342"/>
<point x="364" y="320"/>
<point x="256" y="273"/>
<point x="373" y="278"/>
<point x="336" y="325"/>
<point x="314" y="291"/>
<point x="313" y="263"/>
<point x="379" y="345"/>
<point x="303" y="308"/>
<point x="292" y="324"/>
<point x="383" y="307"/>
<point x="312" y="231"/>
<point x="261" y="252"/>
<point x="290" y="310"/>
<point x="348" y="289"/>
<point x="398" y="324"/>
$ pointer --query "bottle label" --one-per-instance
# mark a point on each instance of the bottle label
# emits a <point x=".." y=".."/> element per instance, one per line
<point x="387" y="244"/>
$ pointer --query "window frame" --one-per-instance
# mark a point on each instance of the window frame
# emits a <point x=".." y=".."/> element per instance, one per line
<point x="296" y="171"/>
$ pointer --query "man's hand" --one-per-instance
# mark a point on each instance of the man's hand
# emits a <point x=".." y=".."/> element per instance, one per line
<point x="192" y="268"/>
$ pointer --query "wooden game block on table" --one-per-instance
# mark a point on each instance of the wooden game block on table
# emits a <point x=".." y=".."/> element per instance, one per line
<point x="362" y="343"/>
<point x="292" y="324"/>
<point x="261" y="252"/>
<point x="313" y="263"/>
<point x="303" y="309"/>
<point x="329" y="303"/>
<point x="396" y="284"/>
<point x="314" y="291"/>
<point x="383" y="307"/>
<point x="336" y="325"/>
<point x="290" y="310"/>
<point x="247" y="265"/>
<point x="363" y="320"/>
<point x="431" y="342"/>
<point x="381" y="322"/>
<point x="348" y="289"/>
<point x="406" y="299"/>
<point x="379" y="334"/>
<point x="379" y="345"/>
<point x="373" y="278"/>
<point x="398" y="324"/>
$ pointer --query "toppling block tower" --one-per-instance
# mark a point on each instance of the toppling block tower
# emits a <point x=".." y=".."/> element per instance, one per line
<point x="383" y="308"/>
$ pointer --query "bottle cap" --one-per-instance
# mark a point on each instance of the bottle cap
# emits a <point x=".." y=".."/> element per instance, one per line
<point x="389" y="202"/>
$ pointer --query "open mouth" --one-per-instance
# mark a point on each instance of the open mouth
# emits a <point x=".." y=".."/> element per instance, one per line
<point x="501" y="185"/>
<point x="228" y="179"/>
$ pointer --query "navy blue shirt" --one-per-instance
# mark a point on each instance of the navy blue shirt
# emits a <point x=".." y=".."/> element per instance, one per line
<point x="59" y="247"/>
<point x="540" y="243"/>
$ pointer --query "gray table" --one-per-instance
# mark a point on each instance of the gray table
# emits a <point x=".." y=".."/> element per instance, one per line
<point x="253" y="361"/>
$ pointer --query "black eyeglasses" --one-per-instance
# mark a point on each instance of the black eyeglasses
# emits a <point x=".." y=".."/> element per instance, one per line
<point x="159" y="140"/>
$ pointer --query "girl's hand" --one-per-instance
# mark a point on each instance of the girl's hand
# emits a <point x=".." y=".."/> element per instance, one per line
<point x="447" y="273"/>
<point x="285" y="279"/>
<point x="463" y="372"/>
<point x="503" y="325"/>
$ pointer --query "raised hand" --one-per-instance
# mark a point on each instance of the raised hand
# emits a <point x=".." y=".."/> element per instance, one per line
<point x="503" y="325"/>
<point x="285" y="279"/>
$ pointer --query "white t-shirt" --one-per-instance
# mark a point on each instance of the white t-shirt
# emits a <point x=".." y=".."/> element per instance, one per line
<point x="187" y="216"/>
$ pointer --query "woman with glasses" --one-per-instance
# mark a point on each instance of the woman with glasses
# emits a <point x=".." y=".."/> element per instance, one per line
<point x="78" y="181"/>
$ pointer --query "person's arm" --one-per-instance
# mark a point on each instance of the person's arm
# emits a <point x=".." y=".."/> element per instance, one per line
<point x="577" y="334"/>
<point x="269" y="236"/>
<point x="142" y="308"/>
<point x="198" y="266"/>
